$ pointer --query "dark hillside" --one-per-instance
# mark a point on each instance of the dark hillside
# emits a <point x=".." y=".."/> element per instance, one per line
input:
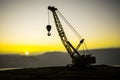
<point x="103" y="56"/>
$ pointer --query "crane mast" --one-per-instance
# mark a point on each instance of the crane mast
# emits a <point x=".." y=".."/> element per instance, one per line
<point x="76" y="59"/>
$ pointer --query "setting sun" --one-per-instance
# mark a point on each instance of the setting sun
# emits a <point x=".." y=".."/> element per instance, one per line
<point x="26" y="53"/>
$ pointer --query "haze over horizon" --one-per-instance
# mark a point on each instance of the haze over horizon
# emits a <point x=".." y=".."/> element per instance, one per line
<point x="23" y="24"/>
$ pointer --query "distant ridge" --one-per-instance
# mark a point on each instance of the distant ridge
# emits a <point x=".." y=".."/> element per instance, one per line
<point x="109" y="56"/>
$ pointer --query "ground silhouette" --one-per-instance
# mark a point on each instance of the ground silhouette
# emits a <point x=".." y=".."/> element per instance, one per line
<point x="97" y="72"/>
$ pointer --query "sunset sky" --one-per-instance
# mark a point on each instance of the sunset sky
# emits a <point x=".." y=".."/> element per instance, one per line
<point x="23" y="24"/>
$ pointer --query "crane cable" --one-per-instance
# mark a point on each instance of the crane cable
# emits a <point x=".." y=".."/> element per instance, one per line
<point x="77" y="34"/>
<point x="48" y="18"/>
<point x="86" y="48"/>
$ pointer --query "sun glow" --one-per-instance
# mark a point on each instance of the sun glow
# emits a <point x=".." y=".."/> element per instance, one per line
<point x="26" y="53"/>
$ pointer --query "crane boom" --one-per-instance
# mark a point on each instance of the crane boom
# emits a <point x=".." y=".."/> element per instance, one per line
<point x="61" y="31"/>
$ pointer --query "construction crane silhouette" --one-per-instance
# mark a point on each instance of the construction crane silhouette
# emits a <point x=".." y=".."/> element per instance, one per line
<point x="77" y="59"/>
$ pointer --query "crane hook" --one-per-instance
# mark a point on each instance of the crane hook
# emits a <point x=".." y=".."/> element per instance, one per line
<point x="48" y="29"/>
